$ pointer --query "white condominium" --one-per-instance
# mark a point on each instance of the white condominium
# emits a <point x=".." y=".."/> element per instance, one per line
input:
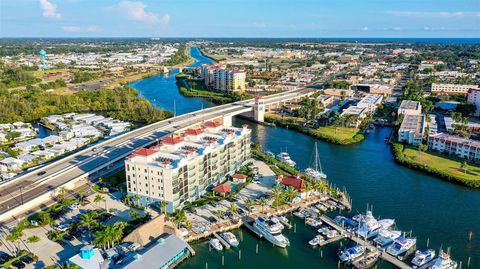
<point x="455" y="145"/>
<point x="371" y="102"/>
<point x="182" y="168"/>
<point x="219" y="78"/>
<point x="440" y="88"/>
<point x="412" y="129"/>
<point x="474" y="98"/>
<point x="410" y="107"/>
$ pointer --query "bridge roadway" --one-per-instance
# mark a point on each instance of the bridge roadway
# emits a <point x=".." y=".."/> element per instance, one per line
<point x="25" y="188"/>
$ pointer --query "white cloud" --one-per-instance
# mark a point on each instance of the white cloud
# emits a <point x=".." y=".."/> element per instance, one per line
<point x="365" y="28"/>
<point x="49" y="9"/>
<point x="137" y="11"/>
<point x="446" y="14"/>
<point x="80" y="29"/>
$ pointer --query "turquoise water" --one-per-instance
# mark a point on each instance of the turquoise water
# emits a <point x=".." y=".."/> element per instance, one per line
<point x="436" y="210"/>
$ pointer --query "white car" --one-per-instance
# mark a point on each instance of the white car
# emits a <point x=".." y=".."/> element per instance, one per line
<point x="75" y="206"/>
<point x="61" y="227"/>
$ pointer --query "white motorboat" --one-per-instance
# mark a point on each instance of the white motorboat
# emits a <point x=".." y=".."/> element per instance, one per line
<point x="272" y="231"/>
<point x="316" y="240"/>
<point x="277" y="222"/>
<point x="299" y="214"/>
<point x="314" y="222"/>
<point x="316" y="172"/>
<point x="444" y="262"/>
<point x="386" y="237"/>
<point x="332" y="233"/>
<point x="284" y="157"/>
<point x="322" y="207"/>
<point x="215" y="243"/>
<point x="324" y="230"/>
<point x="401" y="245"/>
<point x="422" y="257"/>
<point x="369" y="226"/>
<point x="386" y="223"/>
<point x="230" y="238"/>
<point x="350" y="254"/>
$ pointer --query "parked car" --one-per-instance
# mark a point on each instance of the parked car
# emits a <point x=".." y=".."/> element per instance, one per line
<point x="61" y="227"/>
<point x="27" y="259"/>
<point x="69" y="237"/>
<point x="18" y="264"/>
<point x="74" y="206"/>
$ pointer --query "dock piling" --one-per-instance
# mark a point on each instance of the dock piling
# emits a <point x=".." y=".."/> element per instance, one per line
<point x="206" y="265"/>
<point x="428" y="242"/>
<point x="223" y="260"/>
<point x="239" y="254"/>
<point x="256" y="249"/>
<point x="468" y="262"/>
<point x="321" y="253"/>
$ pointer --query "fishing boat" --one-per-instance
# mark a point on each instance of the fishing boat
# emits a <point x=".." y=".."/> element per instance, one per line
<point x="400" y="246"/>
<point x="324" y="230"/>
<point x="366" y="261"/>
<point x="349" y="254"/>
<point x="284" y="157"/>
<point x="316" y="240"/>
<point x="315" y="171"/>
<point x="422" y="257"/>
<point x="444" y="262"/>
<point x="386" y="237"/>
<point x="314" y="222"/>
<point x="215" y="243"/>
<point x="230" y="238"/>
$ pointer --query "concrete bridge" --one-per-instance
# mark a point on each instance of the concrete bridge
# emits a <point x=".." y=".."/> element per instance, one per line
<point x="24" y="194"/>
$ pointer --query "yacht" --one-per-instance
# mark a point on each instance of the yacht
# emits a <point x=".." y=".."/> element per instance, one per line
<point x="444" y="262"/>
<point x="350" y="254"/>
<point x="422" y="257"/>
<point x="215" y="243"/>
<point x="316" y="240"/>
<point x="366" y="261"/>
<point x="313" y="222"/>
<point x="284" y="157"/>
<point x="230" y="238"/>
<point x="316" y="172"/>
<point x="272" y="231"/>
<point x="369" y="226"/>
<point x="386" y="237"/>
<point x="401" y="245"/>
<point x="324" y="230"/>
<point x="386" y="223"/>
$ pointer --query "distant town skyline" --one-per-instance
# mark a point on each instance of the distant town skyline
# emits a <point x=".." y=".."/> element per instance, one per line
<point x="240" y="18"/>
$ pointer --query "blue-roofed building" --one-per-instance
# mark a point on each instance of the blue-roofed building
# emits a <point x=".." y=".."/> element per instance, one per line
<point x="166" y="252"/>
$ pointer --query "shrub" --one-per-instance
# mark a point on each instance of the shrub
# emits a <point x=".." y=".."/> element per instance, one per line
<point x="33" y="239"/>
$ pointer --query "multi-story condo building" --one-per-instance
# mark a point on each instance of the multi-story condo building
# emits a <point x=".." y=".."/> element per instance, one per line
<point x="455" y="145"/>
<point x="219" y="78"/>
<point x="440" y="88"/>
<point x="412" y="129"/>
<point x="371" y="102"/>
<point x="183" y="167"/>
<point x="474" y="98"/>
<point x="410" y="107"/>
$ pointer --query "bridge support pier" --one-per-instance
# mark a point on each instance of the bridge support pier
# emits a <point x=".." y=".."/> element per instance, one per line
<point x="259" y="110"/>
<point x="227" y="120"/>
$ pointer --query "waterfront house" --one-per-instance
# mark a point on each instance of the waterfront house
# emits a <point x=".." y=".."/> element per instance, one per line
<point x="455" y="145"/>
<point x="90" y="257"/>
<point x="296" y="182"/>
<point x="239" y="178"/>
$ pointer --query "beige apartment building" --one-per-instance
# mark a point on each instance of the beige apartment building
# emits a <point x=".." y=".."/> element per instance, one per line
<point x="220" y="78"/>
<point x="440" y="88"/>
<point x="183" y="167"/>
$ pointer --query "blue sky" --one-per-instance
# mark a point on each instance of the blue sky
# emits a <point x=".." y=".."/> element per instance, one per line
<point x="240" y="18"/>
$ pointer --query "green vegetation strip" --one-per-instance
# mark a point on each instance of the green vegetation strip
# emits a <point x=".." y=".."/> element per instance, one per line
<point x="438" y="166"/>
<point x="334" y="135"/>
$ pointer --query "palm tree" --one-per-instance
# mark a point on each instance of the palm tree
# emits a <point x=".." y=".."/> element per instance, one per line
<point x="163" y="206"/>
<point x="319" y="186"/>
<point x="277" y="194"/>
<point x="233" y="208"/>
<point x="263" y="202"/>
<point x="290" y="193"/>
<point x="179" y="217"/>
<point x="81" y="195"/>
<point x="463" y="166"/>
<point x="249" y="203"/>
<point x="308" y="187"/>
<point x="61" y="193"/>
<point x="218" y="214"/>
<point x="127" y="199"/>
<point x="99" y="198"/>
<point x="87" y="220"/>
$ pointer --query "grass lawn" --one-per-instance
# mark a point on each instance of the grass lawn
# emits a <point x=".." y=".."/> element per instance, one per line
<point x="287" y="118"/>
<point x="341" y="133"/>
<point x="444" y="163"/>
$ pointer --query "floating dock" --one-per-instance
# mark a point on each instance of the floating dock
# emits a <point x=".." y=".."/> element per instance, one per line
<point x="331" y="240"/>
<point x="383" y="255"/>
<point x="286" y="224"/>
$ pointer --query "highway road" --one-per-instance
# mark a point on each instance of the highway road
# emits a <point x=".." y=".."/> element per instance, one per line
<point x="83" y="163"/>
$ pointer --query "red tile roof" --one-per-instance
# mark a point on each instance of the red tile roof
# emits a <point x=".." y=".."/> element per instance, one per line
<point x="222" y="188"/>
<point x="172" y="140"/>
<point x="212" y="124"/>
<point x="297" y="183"/>
<point x="239" y="176"/>
<point x="144" y="152"/>
<point x="194" y="131"/>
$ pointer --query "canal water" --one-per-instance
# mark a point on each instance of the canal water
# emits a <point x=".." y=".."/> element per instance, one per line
<point x="432" y="209"/>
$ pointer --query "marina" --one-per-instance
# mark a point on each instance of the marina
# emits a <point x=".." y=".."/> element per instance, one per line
<point x="358" y="162"/>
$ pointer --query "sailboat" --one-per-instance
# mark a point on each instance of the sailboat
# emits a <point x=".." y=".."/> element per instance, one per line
<point x="316" y="171"/>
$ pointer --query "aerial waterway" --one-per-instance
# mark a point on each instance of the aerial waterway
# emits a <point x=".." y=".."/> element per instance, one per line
<point x="435" y="210"/>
